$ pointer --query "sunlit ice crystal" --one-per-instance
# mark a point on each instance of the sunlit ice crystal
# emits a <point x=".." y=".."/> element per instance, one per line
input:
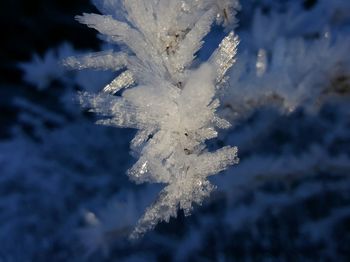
<point x="159" y="93"/>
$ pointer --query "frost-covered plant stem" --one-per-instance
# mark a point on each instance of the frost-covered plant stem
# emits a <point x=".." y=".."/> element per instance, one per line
<point x="172" y="104"/>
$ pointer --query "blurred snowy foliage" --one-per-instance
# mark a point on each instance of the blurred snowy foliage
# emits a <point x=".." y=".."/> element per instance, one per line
<point x="65" y="195"/>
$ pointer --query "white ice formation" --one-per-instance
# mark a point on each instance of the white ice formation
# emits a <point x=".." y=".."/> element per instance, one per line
<point x="159" y="92"/>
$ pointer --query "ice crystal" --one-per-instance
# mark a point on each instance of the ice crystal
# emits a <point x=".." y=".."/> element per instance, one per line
<point x="172" y="104"/>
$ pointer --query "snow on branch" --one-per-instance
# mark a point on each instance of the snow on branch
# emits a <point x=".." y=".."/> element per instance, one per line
<point x="172" y="104"/>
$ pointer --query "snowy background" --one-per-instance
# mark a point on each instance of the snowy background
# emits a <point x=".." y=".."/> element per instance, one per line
<point x="64" y="195"/>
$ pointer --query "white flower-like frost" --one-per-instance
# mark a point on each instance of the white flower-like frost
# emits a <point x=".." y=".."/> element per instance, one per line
<point x="172" y="104"/>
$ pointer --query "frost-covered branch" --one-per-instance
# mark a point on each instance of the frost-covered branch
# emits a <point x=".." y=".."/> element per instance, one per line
<point x="286" y="70"/>
<point x="172" y="103"/>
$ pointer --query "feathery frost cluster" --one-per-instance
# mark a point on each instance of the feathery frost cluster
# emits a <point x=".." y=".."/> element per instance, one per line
<point x="172" y="103"/>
